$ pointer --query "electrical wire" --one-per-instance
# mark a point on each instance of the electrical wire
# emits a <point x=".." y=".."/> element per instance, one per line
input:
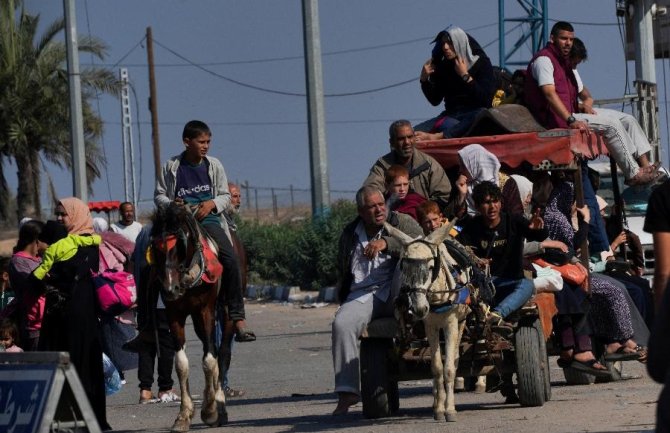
<point x="278" y="92"/>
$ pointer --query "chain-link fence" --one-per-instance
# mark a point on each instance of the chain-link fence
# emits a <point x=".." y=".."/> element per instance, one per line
<point x="264" y="203"/>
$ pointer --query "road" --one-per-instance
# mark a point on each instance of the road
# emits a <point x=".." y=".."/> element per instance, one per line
<point x="287" y="374"/>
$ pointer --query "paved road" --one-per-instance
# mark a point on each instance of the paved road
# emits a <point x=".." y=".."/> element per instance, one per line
<point x="287" y="373"/>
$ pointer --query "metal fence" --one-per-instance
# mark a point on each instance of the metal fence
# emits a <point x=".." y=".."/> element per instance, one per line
<point x="265" y="203"/>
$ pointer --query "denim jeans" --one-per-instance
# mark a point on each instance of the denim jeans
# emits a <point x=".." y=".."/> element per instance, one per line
<point x="511" y="294"/>
<point x="597" y="234"/>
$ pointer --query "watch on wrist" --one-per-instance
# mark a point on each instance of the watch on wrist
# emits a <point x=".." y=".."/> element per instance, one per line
<point x="570" y="120"/>
<point x="465" y="77"/>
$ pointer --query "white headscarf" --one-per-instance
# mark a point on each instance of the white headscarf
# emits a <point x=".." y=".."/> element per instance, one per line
<point x="482" y="166"/>
<point x="525" y="187"/>
<point x="100" y="225"/>
<point x="462" y="46"/>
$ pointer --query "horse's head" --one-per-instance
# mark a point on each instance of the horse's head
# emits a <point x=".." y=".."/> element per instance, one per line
<point x="422" y="271"/>
<point x="176" y="254"/>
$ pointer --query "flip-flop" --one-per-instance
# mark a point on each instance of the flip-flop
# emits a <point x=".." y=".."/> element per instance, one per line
<point x="643" y="354"/>
<point x="622" y="355"/>
<point x="588" y="367"/>
<point x="245" y="336"/>
<point x="564" y="362"/>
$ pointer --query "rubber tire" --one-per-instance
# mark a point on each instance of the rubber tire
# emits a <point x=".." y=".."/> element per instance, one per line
<point x="546" y="370"/>
<point x="375" y="384"/>
<point x="575" y="377"/>
<point x="529" y="374"/>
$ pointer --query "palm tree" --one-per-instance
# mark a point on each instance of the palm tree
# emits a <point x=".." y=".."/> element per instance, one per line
<point x="34" y="103"/>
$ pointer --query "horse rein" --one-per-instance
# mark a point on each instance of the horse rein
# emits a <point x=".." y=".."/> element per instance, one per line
<point x="197" y="259"/>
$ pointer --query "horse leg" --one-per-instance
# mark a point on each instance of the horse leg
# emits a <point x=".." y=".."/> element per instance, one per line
<point x="183" y="421"/>
<point x="432" y="326"/>
<point x="203" y="323"/>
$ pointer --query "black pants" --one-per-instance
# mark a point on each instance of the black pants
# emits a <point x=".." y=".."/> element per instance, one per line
<point x="165" y="354"/>
<point x="232" y="281"/>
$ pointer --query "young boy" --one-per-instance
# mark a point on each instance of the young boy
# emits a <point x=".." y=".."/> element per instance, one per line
<point x="193" y="178"/>
<point x="399" y="197"/>
<point x="497" y="236"/>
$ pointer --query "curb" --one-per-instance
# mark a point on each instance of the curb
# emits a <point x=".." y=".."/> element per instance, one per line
<point x="284" y="293"/>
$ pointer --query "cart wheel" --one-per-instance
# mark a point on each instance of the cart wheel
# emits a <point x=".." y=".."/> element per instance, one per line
<point x="537" y="325"/>
<point x="378" y="393"/>
<point x="529" y="373"/>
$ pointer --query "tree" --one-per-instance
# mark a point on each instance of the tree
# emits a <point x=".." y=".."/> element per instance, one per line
<point x="34" y="103"/>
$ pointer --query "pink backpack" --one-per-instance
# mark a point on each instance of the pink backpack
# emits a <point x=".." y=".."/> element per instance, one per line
<point x="116" y="291"/>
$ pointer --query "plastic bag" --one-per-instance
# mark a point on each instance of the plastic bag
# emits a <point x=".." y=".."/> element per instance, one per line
<point x="547" y="280"/>
<point x="112" y="379"/>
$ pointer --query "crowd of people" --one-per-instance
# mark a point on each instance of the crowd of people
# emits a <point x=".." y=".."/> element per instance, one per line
<point x="51" y="279"/>
<point x="506" y="219"/>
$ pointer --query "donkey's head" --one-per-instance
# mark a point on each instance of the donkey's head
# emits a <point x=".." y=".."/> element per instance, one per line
<point x="420" y="270"/>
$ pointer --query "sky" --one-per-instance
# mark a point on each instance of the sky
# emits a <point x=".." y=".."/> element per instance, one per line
<point x="203" y="47"/>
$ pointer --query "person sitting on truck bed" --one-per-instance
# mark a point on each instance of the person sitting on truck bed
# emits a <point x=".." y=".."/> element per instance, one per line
<point x="426" y="175"/>
<point x="624" y="137"/>
<point x="498" y="237"/>
<point x="366" y="261"/>
<point x="610" y="311"/>
<point x="460" y="74"/>
<point x="550" y="92"/>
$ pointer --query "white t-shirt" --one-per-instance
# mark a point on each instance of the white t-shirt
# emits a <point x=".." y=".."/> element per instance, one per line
<point x="129" y="232"/>
<point x="543" y="71"/>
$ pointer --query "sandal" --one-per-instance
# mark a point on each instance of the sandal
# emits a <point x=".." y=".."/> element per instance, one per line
<point x="590" y="367"/>
<point x="245" y="336"/>
<point x="643" y="352"/>
<point x="623" y="353"/>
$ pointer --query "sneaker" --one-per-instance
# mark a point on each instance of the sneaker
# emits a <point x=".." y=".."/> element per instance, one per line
<point x="232" y="392"/>
<point x="168" y="396"/>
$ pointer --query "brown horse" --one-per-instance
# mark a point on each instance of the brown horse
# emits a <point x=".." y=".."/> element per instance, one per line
<point x="182" y="267"/>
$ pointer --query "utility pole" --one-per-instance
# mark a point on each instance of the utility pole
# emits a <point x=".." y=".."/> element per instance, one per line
<point x="318" y="156"/>
<point x="153" y="105"/>
<point x="643" y="38"/>
<point x="79" y="185"/>
<point x="129" y="185"/>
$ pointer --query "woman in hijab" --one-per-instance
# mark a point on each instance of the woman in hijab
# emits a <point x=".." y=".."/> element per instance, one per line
<point x="610" y="313"/>
<point x="476" y="166"/>
<point x="70" y="322"/>
<point x="460" y="74"/>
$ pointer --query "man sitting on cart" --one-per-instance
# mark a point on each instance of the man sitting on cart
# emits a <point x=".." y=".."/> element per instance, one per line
<point x="366" y="261"/>
<point x="498" y="237"/>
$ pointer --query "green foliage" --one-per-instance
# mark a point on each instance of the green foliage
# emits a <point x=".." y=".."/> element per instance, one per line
<point x="296" y="253"/>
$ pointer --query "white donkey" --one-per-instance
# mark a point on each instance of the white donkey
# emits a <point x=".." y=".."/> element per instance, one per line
<point x="431" y="293"/>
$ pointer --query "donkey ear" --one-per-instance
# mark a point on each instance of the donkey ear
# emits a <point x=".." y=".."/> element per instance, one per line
<point x="404" y="238"/>
<point x="439" y="235"/>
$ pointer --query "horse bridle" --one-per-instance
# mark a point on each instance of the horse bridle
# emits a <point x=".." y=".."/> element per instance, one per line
<point x="197" y="259"/>
<point x="437" y="265"/>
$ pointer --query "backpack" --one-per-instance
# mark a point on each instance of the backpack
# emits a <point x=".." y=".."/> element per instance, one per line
<point x="116" y="291"/>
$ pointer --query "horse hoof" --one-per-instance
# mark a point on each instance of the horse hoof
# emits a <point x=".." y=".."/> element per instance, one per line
<point x="180" y="426"/>
<point x="438" y="416"/>
<point x="223" y="414"/>
<point x="211" y="418"/>
<point x="480" y="388"/>
<point x="450" y="417"/>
